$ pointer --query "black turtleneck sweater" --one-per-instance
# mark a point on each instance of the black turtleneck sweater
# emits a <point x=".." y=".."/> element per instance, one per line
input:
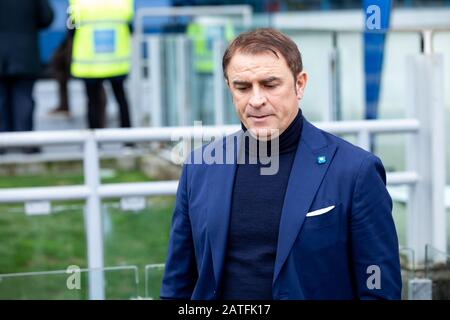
<point x="254" y="222"/>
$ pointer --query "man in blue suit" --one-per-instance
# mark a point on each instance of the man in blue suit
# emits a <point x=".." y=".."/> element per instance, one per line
<point x="304" y="215"/>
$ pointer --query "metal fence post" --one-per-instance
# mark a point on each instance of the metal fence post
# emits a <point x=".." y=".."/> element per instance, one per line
<point x="426" y="220"/>
<point x="181" y="63"/>
<point x="364" y="140"/>
<point x="135" y="79"/>
<point x="435" y="68"/>
<point x="333" y="112"/>
<point x="219" y="94"/>
<point x="93" y="219"/>
<point x="154" y="72"/>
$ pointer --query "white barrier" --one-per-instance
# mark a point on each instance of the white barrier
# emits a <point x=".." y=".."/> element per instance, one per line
<point x="93" y="191"/>
<point x="425" y="177"/>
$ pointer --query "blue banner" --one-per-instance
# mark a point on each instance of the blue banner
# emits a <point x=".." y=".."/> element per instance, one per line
<point x="376" y="23"/>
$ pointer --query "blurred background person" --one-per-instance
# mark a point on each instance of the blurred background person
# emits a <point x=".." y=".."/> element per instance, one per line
<point x="20" y="21"/>
<point x="101" y="51"/>
<point x="202" y="34"/>
<point x="60" y="70"/>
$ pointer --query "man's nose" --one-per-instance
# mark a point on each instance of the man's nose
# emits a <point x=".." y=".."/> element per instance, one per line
<point x="257" y="99"/>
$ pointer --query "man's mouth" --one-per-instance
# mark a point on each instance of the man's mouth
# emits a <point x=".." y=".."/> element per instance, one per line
<point x="259" y="117"/>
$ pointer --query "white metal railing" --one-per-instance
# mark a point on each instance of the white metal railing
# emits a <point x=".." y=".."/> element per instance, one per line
<point x="425" y="175"/>
<point x="93" y="191"/>
<point x="425" y="151"/>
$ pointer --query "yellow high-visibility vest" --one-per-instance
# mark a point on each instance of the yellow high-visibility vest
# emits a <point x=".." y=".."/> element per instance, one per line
<point x="203" y="54"/>
<point x="101" y="46"/>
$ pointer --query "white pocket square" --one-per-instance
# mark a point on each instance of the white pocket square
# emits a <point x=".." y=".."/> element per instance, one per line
<point x="319" y="212"/>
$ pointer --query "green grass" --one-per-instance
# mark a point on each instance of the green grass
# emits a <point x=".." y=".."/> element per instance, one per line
<point x="53" y="242"/>
<point x="71" y="178"/>
<point x="40" y="242"/>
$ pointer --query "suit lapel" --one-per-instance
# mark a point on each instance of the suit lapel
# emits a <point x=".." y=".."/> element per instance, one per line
<point x="305" y="178"/>
<point x="220" y="191"/>
<point x="304" y="181"/>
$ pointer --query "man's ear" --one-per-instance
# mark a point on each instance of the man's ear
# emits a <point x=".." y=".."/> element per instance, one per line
<point x="300" y="84"/>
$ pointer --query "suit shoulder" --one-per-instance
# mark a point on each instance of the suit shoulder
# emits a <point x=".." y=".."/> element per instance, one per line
<point x="348" y="149"/>
<point x="351" y="158"/>
<point x="318" y="138"/>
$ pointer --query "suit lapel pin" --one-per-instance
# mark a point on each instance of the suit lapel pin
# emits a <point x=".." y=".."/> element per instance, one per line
<point x="321" y="159"/>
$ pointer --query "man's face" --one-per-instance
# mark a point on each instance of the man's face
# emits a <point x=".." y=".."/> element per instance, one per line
<point x="264" y="92"/>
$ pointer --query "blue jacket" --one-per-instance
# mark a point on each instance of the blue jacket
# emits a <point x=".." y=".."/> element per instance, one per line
<point x="349" y="252"/>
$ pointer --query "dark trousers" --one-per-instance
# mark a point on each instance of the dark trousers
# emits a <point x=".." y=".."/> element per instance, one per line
<point x="16" y="104"/>
<point x="63" y="92"/>
<point x="97" y="102"/>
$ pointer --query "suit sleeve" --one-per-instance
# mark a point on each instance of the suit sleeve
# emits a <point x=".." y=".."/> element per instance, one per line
<point x="375" y="254"/>
<point x="180" y="273"/>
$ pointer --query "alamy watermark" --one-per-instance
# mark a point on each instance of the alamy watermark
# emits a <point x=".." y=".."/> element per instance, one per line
<point x="373" y="17"/>
<point x="73" y="281"/>
<point x="374" y="280"/>
<point x="73" y="17"/>
<point x="249" y="147"/>
<point x="74" y="20"/>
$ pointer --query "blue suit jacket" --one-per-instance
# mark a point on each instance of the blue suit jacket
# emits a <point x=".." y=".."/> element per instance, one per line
<point x="350" y="252"/>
